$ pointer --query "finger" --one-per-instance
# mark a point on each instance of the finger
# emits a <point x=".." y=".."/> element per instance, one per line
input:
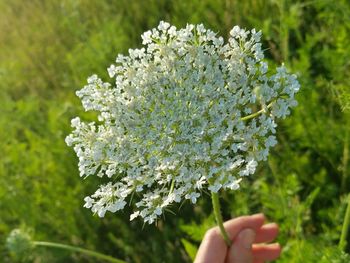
<point x="213" y="247"/>
<point x="241" y="249"/>
<point x="236" y="225"/>
<point x="266" y="252"/>
<point x="266" y="233"/>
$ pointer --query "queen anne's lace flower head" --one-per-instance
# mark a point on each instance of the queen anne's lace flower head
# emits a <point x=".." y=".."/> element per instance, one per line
<point x="187" y="112"/>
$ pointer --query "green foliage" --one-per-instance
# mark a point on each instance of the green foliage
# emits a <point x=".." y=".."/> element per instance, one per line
<point x="49" y="48"/>
<point x="191" y="249"/>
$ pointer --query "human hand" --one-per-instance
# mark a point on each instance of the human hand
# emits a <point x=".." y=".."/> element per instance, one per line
<point x="249" y="237"/>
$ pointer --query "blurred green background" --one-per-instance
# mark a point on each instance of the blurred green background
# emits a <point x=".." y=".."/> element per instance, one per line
<point x="49" y="48"/>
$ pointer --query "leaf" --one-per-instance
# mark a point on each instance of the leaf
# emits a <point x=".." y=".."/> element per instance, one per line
<point x="191" y="249"/>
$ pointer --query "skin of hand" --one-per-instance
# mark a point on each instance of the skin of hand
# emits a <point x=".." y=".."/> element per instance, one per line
<point x="250" y="238"/>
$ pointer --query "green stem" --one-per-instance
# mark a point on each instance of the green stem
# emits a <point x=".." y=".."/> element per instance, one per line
<point x="284" y="32"/>
<point x="345" y="229"/>
<point x="345" y="160"/>
<point x="77" y="249"/>
<point x="218" y="217"/>
<point x="251" y="116"/>
<point x="172" y="186"/>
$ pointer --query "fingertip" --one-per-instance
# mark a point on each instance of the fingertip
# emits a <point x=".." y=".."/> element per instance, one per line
<point x="277" y="248"/>
<point x="259" y="217"/>
<point x="274" y="226"/>
<point x="271" y="225"/>
<point x="267" y="233"/>
<point x="266" y="251"/>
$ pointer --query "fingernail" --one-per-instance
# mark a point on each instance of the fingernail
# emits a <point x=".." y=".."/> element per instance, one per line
<point x="259" y="215"/>
<point x="248" y="239"/>
<point x="271" y="225"/>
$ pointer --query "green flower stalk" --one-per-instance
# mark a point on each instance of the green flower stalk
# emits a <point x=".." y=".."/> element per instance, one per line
<point x="218" y="218"/>
<point x="20" y="244"/>
<point x="346" y="226"/>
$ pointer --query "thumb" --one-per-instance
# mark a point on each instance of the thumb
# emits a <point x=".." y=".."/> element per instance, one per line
<point x="241" y="249"/>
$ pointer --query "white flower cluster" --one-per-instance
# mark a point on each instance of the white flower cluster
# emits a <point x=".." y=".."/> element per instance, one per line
<point x="187" y="112"/>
